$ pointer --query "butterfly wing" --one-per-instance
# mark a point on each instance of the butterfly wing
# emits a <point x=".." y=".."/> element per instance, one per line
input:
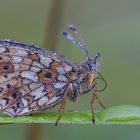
<point x="31" y="79"/>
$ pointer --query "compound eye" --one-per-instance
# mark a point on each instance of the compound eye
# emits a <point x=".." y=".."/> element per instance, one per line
<point x="90" y="66"/>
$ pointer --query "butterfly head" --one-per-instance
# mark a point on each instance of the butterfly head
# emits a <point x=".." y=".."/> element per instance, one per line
<point x="94" y="64"/>
<point x="88" y="69"/>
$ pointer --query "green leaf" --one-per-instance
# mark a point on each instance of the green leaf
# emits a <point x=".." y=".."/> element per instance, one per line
<point x="124" y="114"/>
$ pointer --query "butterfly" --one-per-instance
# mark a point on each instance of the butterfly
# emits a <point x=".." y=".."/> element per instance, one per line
<point x="33" y="79"/>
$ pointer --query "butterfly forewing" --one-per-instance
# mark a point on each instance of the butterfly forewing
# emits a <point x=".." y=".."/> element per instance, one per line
<point x="31" y="79"/>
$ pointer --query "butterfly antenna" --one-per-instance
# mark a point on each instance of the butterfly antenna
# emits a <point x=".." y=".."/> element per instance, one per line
<point x="78" y="40"/>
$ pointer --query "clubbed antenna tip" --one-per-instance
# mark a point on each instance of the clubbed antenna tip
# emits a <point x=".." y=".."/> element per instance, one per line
<point x="78" y="41"/>
<point x="64" y="33"/>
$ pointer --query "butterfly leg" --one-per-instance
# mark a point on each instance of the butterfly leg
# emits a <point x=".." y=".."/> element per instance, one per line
<point x="95" y="95"/>
<point x="92" y="107"/>
<point x="63" y="104"/>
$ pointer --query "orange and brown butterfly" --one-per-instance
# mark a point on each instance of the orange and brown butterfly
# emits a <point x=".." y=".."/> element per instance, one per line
<point x="33" y="79"/>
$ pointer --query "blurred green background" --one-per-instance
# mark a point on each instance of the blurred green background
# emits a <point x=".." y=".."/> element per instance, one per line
<point x="111" y="27"/>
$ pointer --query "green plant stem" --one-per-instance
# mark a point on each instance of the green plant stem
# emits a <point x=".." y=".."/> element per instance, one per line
<point x="125" y="114"/>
